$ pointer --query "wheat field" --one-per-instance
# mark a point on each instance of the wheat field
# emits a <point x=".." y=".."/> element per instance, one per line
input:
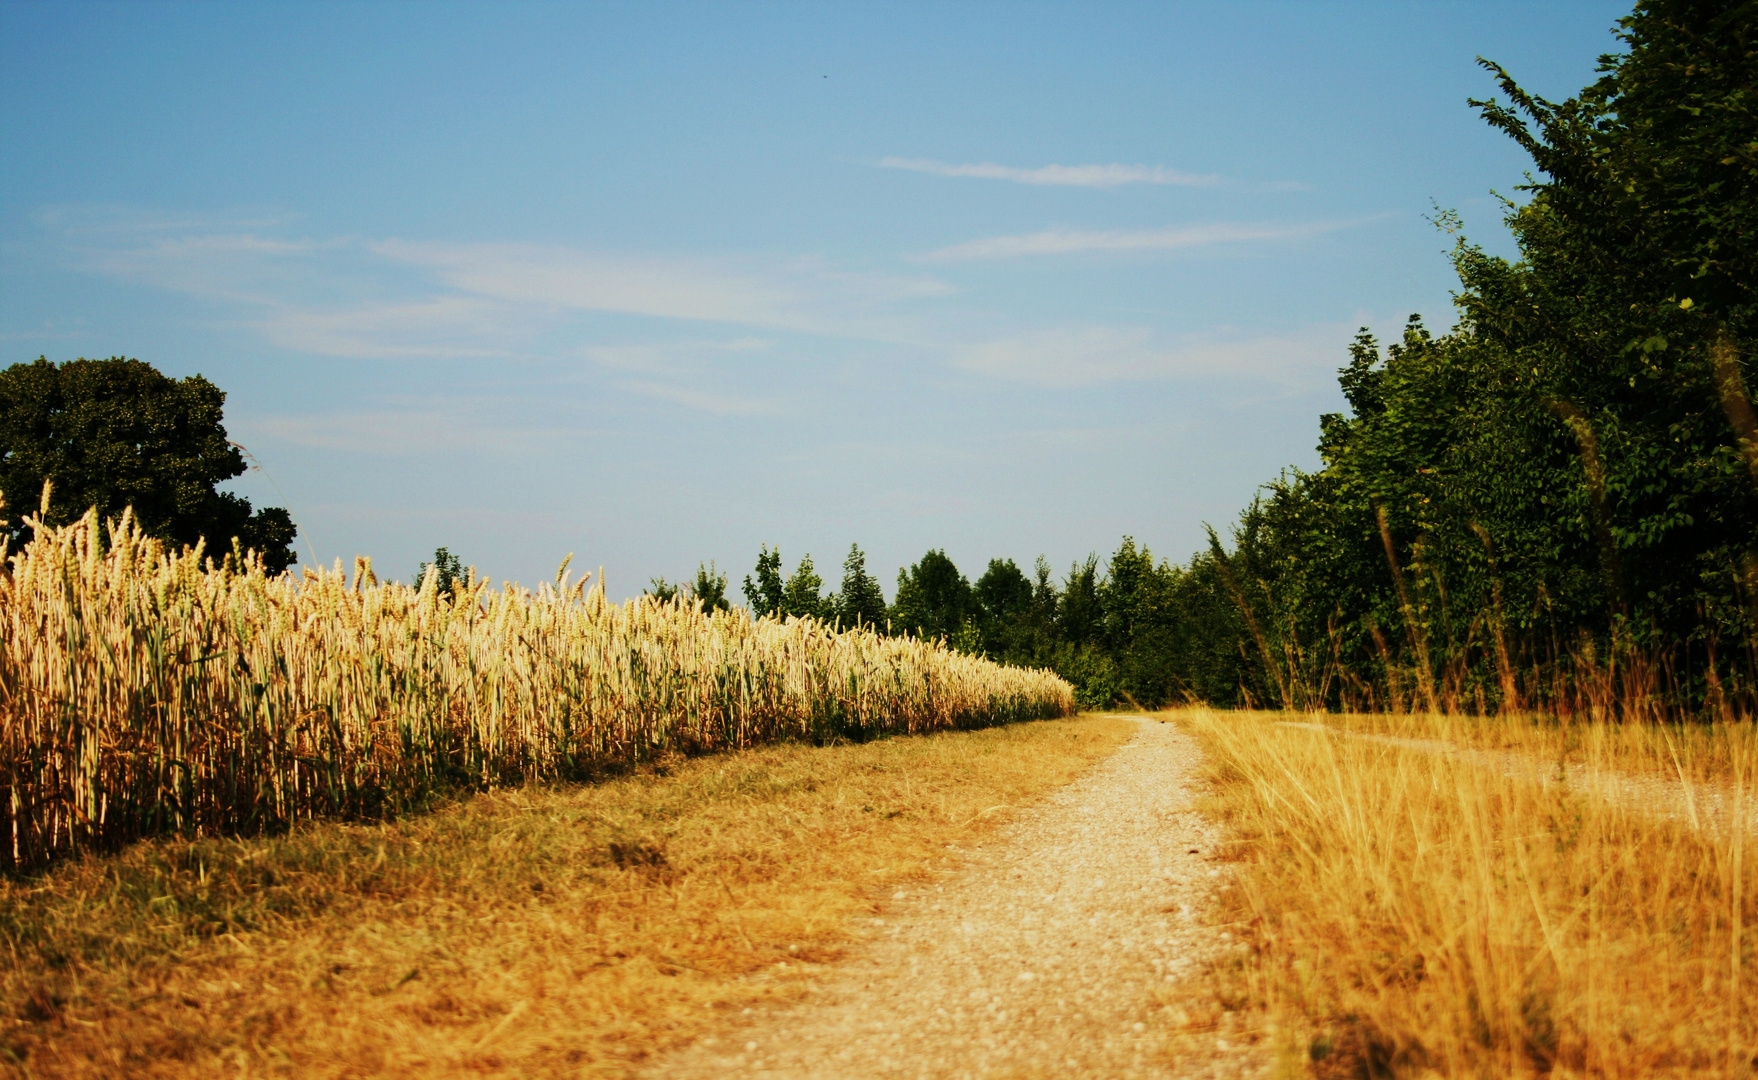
<point x="146" y="689"/>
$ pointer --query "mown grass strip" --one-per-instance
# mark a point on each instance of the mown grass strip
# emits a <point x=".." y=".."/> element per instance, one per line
<point x="537" y="931"/>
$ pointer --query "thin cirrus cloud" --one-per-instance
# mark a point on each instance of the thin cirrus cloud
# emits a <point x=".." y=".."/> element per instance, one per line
<point x="675" y="357"/>
<point x="802" y="294"/>
<point x="718" y="404"/>
<point x="1075" y="241"/>
<point x="418" y="430"/>
<point x="1092" y="176"/>
<point x="1075" y="357"/>
<point x="429" y="328"/>
<point x="667" y="364"/>
<point x="400" y="299"/>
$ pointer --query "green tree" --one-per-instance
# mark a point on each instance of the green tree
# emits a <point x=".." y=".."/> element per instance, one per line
<point x="767" y="595"/>
<point x="1005" y="613"/>
<point x="933" y="598"/>
<point x="116" y="433"/>
<point x="1572" y="471"/>
<point x="801" y="596"/>
<point x="1629" y="318"/>
<point x="709" y="589"/>
<point x="1004" y="592"/>
<point x="1080" y="616"/>
<point x="448" y="569"/>
<point x="861" y="600"/>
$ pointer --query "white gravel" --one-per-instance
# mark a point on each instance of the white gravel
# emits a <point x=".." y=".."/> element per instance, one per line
<point x="1062" y="947"/>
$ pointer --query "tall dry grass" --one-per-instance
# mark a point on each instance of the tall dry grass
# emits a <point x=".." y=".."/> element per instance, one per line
<point x="1698" y="754"/>
<point x="145" y="690"/>
<point x="1419" y="911"/>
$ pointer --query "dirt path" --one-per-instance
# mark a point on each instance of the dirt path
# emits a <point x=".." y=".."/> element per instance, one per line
<point x="1065" y="947"/>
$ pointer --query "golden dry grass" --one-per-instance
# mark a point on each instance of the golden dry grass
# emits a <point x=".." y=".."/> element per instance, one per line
<point x="1416" y="913"/>
<point x="143" y="690"/>
<point x="533" y="931"/>
<point x="1690" y="752"/>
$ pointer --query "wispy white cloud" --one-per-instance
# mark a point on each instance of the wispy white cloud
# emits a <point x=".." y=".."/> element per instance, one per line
<point x="703" y="401"/>
<point x="1072" y="241"/>
<point x="669" y="357"/>
<point x="795" y="294"/>
<point x="456" y="327"/>
<point x="45" y="331"/>
<point x="417" y="431"/>
<point x="1067" y="357"/>
<point x="399" y="299"/>
<point x="1093" y="176"/>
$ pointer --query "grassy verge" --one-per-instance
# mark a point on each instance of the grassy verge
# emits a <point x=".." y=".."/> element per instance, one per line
<point x="1689" y="752"/>
<point x="1418" y="913"/>
<point x="538" y="931"/>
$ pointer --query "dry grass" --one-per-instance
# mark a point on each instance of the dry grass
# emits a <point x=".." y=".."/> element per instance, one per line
<point x="144" y="691"/>
<point x="536" y="931"/>
<point x="1419" y="913"/>
<point x="1690" y="752"/>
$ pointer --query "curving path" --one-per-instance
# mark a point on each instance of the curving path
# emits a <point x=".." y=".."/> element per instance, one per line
<point x="1064" y="947"/>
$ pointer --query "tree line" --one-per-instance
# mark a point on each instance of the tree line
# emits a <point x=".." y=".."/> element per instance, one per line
<point x="1555" y="502"/>
<point x="1552" y="504"/>
<point x="1118" y="630"/>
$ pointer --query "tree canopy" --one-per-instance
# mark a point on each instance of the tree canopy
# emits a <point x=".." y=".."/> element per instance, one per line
<point x="1569" y="473"/>
<point x="116" y="433"/>
<point x="1557" y="495"/>
<point x="861" y="600"/>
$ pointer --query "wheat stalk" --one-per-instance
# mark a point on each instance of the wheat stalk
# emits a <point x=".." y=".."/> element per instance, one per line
<point x="145" y="688"/>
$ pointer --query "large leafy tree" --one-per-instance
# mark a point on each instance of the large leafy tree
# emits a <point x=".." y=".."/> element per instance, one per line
<point x="933" y="598"/>
<point x="1004" y="598"/>
<point x="709" y="589"/>
<point x="1573" y="466"/>
<point x="449" y="571"/>
<point x="116" y="433"/>
<point x="1630" y="316"/>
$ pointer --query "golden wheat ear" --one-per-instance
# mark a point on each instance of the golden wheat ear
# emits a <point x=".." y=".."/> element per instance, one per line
<point x="578" y="592"/>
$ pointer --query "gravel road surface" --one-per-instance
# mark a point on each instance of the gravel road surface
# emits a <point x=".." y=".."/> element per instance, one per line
<point x="1066" y="946"/>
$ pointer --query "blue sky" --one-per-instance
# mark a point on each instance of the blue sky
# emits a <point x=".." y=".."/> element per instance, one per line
<point x="656" y="284"/>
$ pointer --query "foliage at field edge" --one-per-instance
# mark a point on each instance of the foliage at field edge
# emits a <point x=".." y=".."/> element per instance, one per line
<point x="144" y="689"/>
<point x="1553" y="505"/>
<point x="1556" y="502"/>
<point x="117" y="434"/>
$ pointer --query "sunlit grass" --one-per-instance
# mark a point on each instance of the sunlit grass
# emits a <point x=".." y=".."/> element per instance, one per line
<point x="533" y="931"/>
<point x="1520" y="913"/>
